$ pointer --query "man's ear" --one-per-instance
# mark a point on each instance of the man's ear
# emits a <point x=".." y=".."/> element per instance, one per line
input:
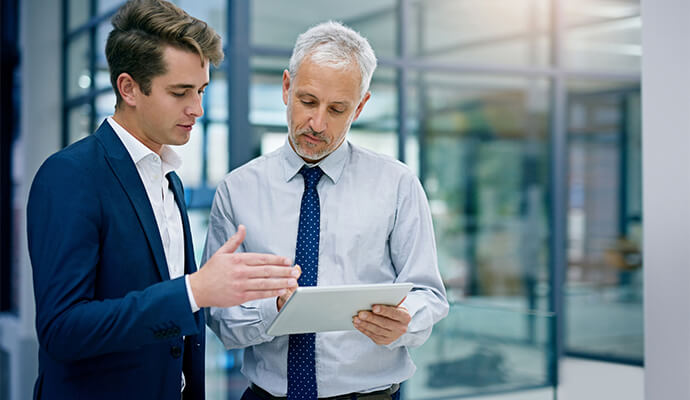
<point x="360" y="106"/>
<point x="286" y="86"/>
<point x="128" y="88"/>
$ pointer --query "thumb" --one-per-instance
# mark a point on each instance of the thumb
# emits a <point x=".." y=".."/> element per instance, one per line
<point x="235" y="241"/>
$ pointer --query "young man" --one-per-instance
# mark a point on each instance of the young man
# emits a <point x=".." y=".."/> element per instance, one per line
<point x="116" y="287"/>
<point x="349" y="215"/>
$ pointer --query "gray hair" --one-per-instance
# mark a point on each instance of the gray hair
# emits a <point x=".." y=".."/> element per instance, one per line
<point x="334" y="44"/>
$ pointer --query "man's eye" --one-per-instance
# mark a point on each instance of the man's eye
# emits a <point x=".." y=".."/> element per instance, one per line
<point x="307" y="102"/>
<point x="337" y="111"/>
<point x="177" y="94"/>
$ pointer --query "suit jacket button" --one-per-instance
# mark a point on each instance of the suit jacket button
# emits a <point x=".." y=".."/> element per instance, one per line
<point x="176" y="351"/>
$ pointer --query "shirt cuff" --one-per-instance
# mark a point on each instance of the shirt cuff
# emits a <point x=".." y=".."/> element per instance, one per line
<point x="268" y="310"/>
<point x="190" y="295"/>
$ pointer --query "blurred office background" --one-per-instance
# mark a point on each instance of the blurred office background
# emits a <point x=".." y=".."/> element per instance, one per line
<point x="522" y="119"/>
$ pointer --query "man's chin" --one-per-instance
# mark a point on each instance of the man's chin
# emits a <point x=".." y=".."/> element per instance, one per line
<point x="180" y="140"/>
<point x="312" y="156"/>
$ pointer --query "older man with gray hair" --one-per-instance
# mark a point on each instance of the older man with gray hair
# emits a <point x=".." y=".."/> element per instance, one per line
<point x="367" y="221"/>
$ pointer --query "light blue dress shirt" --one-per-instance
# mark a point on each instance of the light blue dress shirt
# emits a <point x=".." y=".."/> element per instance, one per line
<point x="375" y="228"/>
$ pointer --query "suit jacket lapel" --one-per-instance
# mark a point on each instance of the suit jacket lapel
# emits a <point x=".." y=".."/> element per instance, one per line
<point x="126" y="172"/>
<point x="176" y="187"/>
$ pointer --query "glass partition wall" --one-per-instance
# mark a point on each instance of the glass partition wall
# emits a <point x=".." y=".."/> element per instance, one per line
<point x="521" y="120"/>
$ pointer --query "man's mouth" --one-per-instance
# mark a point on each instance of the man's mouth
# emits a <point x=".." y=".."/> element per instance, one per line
<point x="313" y="139"/>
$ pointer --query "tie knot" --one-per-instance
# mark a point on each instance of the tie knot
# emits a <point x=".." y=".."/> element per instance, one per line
<point x="311" y="176"/>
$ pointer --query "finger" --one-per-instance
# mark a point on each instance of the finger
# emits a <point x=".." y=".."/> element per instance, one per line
<point x="287" y="294"/>
<point x="234" y="242"/>
<point x="376" y="337"/>
<point x="272" y="271"/>
<point x="263" y="294"/>
<point x="282" y="299"/>
<point x="395" y="313"/>
<point x="254" y="259"/>
<point x="261" y="284"/>
<point x="378" y="326"/>
<point x="382" y="322"/>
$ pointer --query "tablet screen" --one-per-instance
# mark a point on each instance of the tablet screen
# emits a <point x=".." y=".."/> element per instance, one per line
<point x="331" y="308"/>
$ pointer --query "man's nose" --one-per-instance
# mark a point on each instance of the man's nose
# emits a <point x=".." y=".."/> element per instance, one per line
<point x="196" y="109"/>
<point x="318" y="120"/>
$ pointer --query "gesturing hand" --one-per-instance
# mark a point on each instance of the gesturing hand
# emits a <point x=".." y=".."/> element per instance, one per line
<point x="228" y="278"/>
<point x="383" y="324"/>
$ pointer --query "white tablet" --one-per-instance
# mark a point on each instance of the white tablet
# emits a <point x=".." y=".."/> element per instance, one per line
<point x="331" y="308"/>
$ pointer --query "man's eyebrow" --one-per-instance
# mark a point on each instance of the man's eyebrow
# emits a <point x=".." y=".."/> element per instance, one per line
<point x="185" y="86"/>
<point x="307" y="94"/>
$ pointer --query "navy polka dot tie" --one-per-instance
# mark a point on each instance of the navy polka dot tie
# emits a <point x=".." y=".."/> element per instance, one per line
<point x="301" y="364"/>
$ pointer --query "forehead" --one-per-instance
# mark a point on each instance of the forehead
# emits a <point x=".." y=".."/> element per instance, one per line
<point x="184" y="66"/>
<point x="328" y="83"/>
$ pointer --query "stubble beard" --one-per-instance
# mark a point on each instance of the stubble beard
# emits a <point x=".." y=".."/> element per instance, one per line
<point x="302" y="149"/>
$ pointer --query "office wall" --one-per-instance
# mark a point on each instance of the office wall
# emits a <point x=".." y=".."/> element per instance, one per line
<point x="40" y="135"/>
<point x="666" y="182"/>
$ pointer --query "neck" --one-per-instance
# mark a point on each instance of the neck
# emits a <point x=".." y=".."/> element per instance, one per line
<point x="129" y="122"/>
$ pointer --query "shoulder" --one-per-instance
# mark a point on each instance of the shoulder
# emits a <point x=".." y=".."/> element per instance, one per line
<point x="383" y="164"/>
<point x="68" y="176"/>
<point x="81" y="156"/>
<point x="249" y="175"/>
<point x="385" y="175"/>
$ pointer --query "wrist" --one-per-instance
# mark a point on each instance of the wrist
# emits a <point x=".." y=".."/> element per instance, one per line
<point x="197" y="290"/>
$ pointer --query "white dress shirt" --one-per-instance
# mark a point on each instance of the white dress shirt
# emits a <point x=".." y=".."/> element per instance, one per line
<point x="152" y="171"/>
<point x="375" y="227"/>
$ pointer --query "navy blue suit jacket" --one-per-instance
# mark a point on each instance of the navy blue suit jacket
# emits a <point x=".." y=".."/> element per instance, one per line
<point x="110" y="322"/>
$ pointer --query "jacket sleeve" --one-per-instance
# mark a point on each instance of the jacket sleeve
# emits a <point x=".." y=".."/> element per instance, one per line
<point x="64" y="225"/>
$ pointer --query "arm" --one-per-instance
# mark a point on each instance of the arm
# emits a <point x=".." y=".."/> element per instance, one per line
<point x="413" y="253"/>
<point x="246" y="324"/>
<point x="64" y="231"/>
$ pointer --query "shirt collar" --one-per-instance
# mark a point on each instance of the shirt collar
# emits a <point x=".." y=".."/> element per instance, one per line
<point x="332" y="166"/>
<point x="170" y="160"/>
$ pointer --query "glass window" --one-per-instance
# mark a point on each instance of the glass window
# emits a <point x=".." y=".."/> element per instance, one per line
<point x="484" y="149"/>
<point x="102" y="78"/>
<point x="79" y="12"/>
<point x="105" y="106"/>
<point x="277" y="23"/>
<point x="213" y="12"/>
<point x="604" y="35"/>
<point x="216" y="97"/>
<point x="478" y="350"/>
<point x="266" y="107"/>
<point x="105" y="6"/>
<point x="514" y="33"/>
<point x="78" y="74"/>
<point x="603" y="292"/>
<point x="376" y="127"/>
<point x="79" y="123"/>
<point x="191" y="154"/>
<point x="217" y="153"/>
